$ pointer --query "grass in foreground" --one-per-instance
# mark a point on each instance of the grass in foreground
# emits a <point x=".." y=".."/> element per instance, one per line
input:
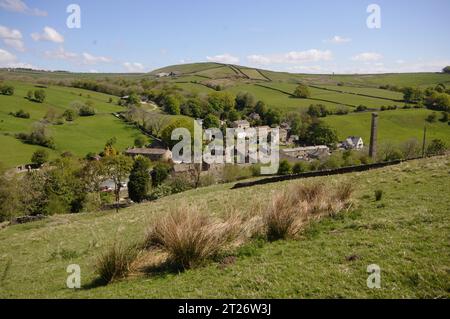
<point x="407" y="233"/>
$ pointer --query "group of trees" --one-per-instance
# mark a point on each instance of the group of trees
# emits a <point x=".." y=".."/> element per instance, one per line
<point x="435" y="98"/>
<point x="6" y="89"/>
<point x="38" y="136"/>
<point x="37" y="96"/>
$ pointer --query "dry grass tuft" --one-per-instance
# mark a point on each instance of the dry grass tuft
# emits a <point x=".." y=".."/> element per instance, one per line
<point x="115" y="263"/>
<point x="292" y="208"/>
<point x="190" y="237"/>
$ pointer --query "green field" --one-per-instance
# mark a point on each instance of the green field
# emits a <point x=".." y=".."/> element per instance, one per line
<point x="394" y="126"/>
<point x="84" y="135"/>
<point x="406" y="234"/>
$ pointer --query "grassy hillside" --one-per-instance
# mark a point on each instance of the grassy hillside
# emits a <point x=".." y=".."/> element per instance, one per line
<point x="85" y="134"/>
<point x="394" y="126"/>
<point x="406" y="234"/>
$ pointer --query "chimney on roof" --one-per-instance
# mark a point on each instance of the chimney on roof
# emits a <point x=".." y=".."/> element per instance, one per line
<point x="374" y="136"/>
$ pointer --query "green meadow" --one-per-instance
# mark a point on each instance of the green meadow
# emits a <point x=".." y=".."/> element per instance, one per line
<point x="84" y="135"/>
<point x="406" y="233"/>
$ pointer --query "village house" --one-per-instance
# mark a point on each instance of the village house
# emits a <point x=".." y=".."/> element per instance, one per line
<point x="353" y="143"/>
<point x="153" y="154"/>
<point x="241" y="124"/>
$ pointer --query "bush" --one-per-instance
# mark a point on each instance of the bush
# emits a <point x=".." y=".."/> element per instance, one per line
<point x="86" y="110"/>
<point x="39" y="96"/>
<point x="21" y="114"/>
<point x="160" y="173"/>
<point x="431" y="118"/>
<point x="285" y="168"/>
<point x="191" y="237"/>
<point x="378" y="195"/>
<point x="37" y="137"/>
<point x="436" y="147"/>
<point x="69" y="115"/>
<point x="299" y="167"/>
<point x="6" y="89"/>
<point x="361" y="108"/>
<point x="160" y="192"/>
<point x="115" y="263"/>
<point x="40" y="157"/>
<point x="180" y="184"/>
<point x="302" y="92"/>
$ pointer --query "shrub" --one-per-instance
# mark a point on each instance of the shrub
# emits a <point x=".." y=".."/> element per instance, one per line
<point x="22" y="114"/>
<point x="69" y="115"/>
<point x="37" y="137"/>
<point x="39" y="96"/>
<point x="299" y="167"/>
<point x="160" y="173"/>
<point x="378" y="195"/>
<point x="6" y="89"/>
<point x="40" y="157"/>
<point x="436" y="147"/>
<point x="86" y="110"/>
<point x="431" y="118"/>
<point x="115" y="263"/>
<point x="302" y="92"/>
<point x="191" y="237"/>
<point x="285" y="168"/>
<point x="361" y="108"/>
<point x="232" y="173"/>
<point x="160" y="191"/>
<point x="180" y="184"/>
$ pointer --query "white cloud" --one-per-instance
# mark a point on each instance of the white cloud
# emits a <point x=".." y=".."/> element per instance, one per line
<point x="223" y="58"/>
<point x="12" y="38"/>
<point x="338" y="40"/>
<point x="21" y="7"/>
<point x="9" y="60"/>
<point x="312" y="55"/>
<point x="134" y="67"/>
<point x="92" y="59"/>
<point x="84" y="58"/>
<point x="49" y="34"/>
<point x="367" y="57"/>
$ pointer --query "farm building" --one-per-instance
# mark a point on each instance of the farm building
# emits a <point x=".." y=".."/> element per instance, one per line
<point x="353" y="142"/>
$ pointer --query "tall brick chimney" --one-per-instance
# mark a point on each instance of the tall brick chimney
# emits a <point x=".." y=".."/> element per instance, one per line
<point x="373" y="136"/>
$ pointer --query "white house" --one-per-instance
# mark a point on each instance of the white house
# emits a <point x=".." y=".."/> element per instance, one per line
<point x="353" y="142"/>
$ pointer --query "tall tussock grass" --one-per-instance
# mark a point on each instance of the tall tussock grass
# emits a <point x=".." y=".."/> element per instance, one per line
<point x="115" y="263"/>
<point x="190" y="237"/>
<point x="291" y="209"/>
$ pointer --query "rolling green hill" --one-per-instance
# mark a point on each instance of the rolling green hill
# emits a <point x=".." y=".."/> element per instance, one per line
<point x="84" y="135"/>
<point x="406" y="234"/>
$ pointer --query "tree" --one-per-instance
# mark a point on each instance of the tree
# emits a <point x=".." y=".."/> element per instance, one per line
<point x="133" y="99"/>
<point x="69" y="115"/>
<point x="211" y="121"/>
<point x="411" y="95"/>
<point x="436" y="147"/>
<point x="6" y="89"/>
<point x="245" y="100"/>
<point x="272" y="117"/>
<point x="86" y="110"/>
<point x="285" y="168"/>
<point x="160" y="173"/>
<point x="446" y="69"/>
<point x="39" y="96"/>
<point x="318" y="133"/>
<point x="431" y="118"/>
<point x="39" y="157"/>
<point x="30" y="95"/>
<point x="221" y="102"/>
<point x="438" y="101"/>
<point x="318" y="110"/>
<point x="302" y="92"/>
<point x="139" y="183"/>
<point x="117" y="168"/>
<point x="140" y="141"/>
<point x="444" y="117"/>
<point x="192" y="107"/>
<point x="172" y="105"/>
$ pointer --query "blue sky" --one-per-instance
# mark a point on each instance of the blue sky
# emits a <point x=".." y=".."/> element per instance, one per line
<point x="305" y="36"/>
